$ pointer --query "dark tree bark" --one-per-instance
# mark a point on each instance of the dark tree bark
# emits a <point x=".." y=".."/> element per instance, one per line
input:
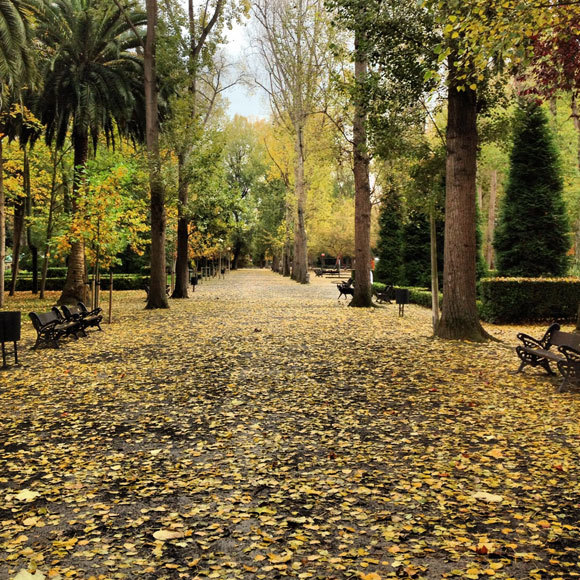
<point x="19" y="215"/>
<point x="459" y="318"/>
<point x="362" y="221"/>
<point x="75" y="289"/>
<point x="181" y="289"/>
<point x="196" y="45"/>
<point x="29" y="240"/>
<point x="300" y="259"/>
<point x="49" y="225"/>
<point x="157" y="295"/>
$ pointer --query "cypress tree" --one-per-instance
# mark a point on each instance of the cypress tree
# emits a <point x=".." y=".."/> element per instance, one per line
<point x="532" y="235"/>
<point x="389" y="268"/>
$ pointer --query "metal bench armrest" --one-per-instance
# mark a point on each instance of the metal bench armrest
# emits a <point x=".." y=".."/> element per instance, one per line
<point x="530" y="341"/>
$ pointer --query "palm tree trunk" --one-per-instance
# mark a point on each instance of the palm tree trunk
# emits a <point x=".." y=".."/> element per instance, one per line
<point x="75" y="289"/>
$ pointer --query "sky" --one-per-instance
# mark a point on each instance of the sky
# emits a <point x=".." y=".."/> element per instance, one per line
<point x="245" y="101"/>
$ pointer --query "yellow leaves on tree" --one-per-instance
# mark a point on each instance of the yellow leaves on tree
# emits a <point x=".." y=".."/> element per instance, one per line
<point x="109" y="218"/>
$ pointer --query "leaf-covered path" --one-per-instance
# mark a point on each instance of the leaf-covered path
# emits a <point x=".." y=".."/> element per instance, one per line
<point x="261" y="429"/>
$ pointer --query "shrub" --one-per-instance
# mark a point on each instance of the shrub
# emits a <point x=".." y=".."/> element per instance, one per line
<point x="120" y="282"/>
<point x="25" y="284"/>
<point x="126" y="282"/>
<point x="529" y="299"/>
<point x="419" y="296"/>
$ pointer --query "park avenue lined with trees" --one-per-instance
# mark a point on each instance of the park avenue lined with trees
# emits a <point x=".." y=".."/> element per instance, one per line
<point x="118" y="154"/>
<point x="234" y="419"/>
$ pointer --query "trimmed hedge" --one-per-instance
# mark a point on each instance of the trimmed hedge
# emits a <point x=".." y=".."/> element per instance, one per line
<point x="25" y="284"/>
<point x="529" y="299"/>
<point x="126" y="282"/>
<point x="419" y="296"/>
<point x="120" y="282"/>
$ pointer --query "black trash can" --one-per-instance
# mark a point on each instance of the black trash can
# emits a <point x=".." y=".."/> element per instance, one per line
<point x="9" y="332"/>
<point x="402" y="298"/>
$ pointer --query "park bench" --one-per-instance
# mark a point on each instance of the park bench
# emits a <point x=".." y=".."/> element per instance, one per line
<point x="537" y="352"/>
<point x="345" y="288"/>
<point x="50" y="327"/>
<point x="83" y="315"/>
<point x="385" y="295"/>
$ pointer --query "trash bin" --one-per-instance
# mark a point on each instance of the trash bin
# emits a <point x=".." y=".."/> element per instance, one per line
<point x="9" y="332"/>
<point x="401" y="298"/>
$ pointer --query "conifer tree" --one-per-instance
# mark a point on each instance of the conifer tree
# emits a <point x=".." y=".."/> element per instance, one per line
<point x="532" y="235"/>
<point x="390" y="266"/>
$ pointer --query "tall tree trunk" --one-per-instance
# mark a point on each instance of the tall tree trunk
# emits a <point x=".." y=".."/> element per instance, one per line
<point x="49" y="225"/>
<point x="459" y="318"/>
<point x="157" y="295"/>
<point x="2" y="225"/>
<point x="19" y="215"/>
<point x="434" y="271"/>
<point x="75" y="289"/>
<point x="237" y="251"/>
<point x="300" y="261"/>
<point x="362" y="201"/>
<point x="489" y="255"/>
<point x="287" y="248"/>
<point x="29" y="239"/>
<point x="182" y="262"/>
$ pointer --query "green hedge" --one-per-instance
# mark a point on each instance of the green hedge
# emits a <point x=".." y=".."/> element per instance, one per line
<point x="529" y="299"/>
<point x="120" y="282"/>
<point x="419" y="296"/>
<point x="25" y="284"/>
<point x="126" y="282"/>
<point x="56" y="272"/>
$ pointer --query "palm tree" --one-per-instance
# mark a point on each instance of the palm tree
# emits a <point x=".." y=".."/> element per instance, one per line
<point x="15" y="69"/>
<point x="15" y="56"/>
<point x="92" y="85"/>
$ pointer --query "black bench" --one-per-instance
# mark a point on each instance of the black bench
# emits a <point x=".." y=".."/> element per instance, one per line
<point x="83" y="315"/>
<point x="50" y="327"/>
<point x="537" y="352"/>
<point x="385" y="295"/>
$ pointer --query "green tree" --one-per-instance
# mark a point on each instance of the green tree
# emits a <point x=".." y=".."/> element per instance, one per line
<point x="245" y="166"/>
<point x="16" y="68"/>
<point x="390" y="266"/>
<point x="92" y="81"/>
<point x="532" y="235"/>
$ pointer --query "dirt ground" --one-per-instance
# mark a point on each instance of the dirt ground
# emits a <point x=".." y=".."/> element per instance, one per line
<point x="263" y="429"/>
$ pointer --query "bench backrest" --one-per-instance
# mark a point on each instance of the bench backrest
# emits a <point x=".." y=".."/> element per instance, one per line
<point x="41" y="319"/>
<point x="560" y="338"/>
<point x="71" y="311"/>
